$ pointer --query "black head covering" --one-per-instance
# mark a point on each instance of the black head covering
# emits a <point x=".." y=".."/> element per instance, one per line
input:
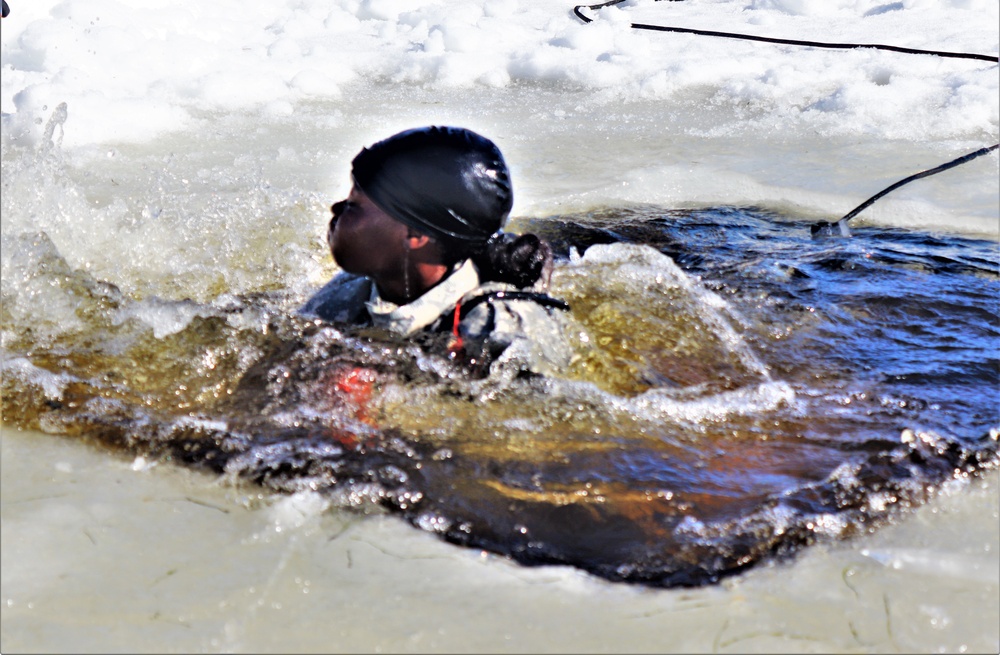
<point x="446" y="182"/>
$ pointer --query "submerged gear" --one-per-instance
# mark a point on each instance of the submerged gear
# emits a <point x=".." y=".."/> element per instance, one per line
<point x="446" y="182"/>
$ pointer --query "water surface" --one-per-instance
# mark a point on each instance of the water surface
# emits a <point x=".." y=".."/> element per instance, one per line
<point x="741" y="389"/>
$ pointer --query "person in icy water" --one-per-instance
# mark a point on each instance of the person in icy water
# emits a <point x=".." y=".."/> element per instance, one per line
<point x="423" y="254"/>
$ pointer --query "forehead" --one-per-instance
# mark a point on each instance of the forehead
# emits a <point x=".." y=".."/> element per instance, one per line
<point x="358" y="197"/>
<point x="368" y="206"/>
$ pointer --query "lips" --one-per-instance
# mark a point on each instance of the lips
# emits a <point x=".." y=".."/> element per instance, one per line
<point x="337" y="209"/>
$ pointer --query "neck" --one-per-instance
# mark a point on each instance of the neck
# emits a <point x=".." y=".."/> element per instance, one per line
<point x="417" y="279"/>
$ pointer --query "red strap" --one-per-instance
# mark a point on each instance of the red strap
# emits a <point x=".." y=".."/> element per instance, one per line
<point x="456" y="341"/>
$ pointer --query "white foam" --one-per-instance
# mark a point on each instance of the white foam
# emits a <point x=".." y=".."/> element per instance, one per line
<point x="51" y="384"/>
<point x="745" y="401"/>
<point x="296" y="510"/>
<point x="164" y="317"/>
<point x="200" y="423"/>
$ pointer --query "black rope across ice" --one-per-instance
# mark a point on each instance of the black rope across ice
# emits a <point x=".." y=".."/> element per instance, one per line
<point x="766" y="39"/>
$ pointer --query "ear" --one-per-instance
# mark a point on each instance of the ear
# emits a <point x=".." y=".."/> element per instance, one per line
<point x="415" y="240"/>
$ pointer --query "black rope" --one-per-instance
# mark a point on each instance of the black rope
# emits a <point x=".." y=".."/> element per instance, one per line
<point x="943" y="167"/>
<point x="766" y="39"/>
<point x="842" y="223"/>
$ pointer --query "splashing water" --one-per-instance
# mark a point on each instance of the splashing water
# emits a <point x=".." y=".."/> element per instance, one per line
<point x="740" y="390"/>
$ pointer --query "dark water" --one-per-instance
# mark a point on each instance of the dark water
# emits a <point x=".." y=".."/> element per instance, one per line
<point x="750" y="392"/>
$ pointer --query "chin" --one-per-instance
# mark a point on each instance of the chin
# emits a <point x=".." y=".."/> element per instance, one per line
<point x="344" y="263"/>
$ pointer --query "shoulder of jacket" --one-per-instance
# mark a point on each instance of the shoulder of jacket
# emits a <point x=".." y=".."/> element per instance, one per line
<point x="341" y="299"/>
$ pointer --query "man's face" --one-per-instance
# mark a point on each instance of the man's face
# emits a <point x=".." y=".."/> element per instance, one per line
<point x="364" y="239"/>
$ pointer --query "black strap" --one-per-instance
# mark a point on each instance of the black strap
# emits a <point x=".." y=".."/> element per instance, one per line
<point x="443" y="327"/>
<point x="540" y="298"/>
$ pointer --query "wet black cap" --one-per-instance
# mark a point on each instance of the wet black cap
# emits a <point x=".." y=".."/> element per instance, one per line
<point x="446" y="182"/>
